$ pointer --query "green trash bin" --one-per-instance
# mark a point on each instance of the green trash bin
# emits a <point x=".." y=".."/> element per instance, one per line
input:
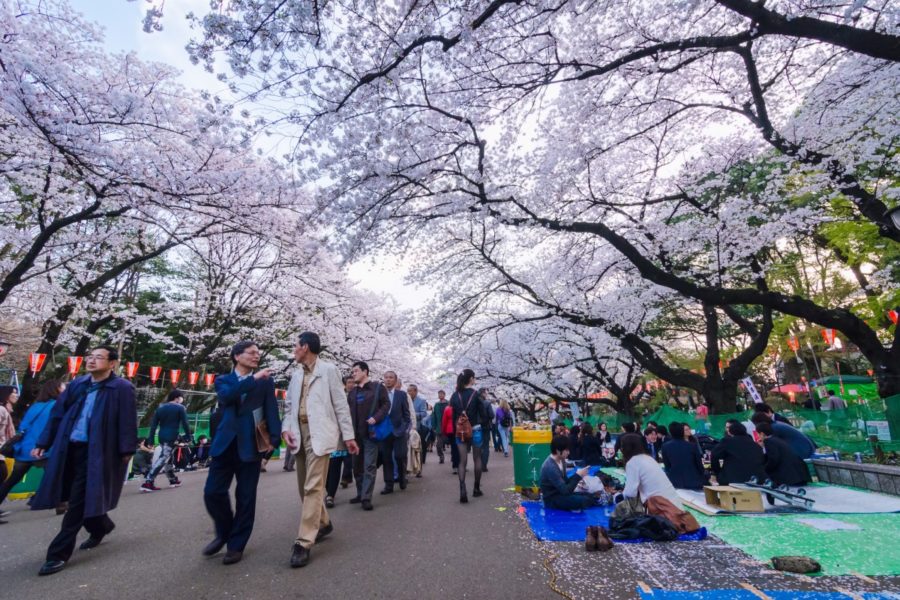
<point x="530" y="449"/>
<point x="29" y="484"/>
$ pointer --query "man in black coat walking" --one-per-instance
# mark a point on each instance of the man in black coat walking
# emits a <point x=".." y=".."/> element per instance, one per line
<point x="93" y="433"/>
<point x="394" y="448"/>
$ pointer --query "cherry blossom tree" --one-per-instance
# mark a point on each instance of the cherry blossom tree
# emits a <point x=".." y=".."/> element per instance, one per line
<point x="675" y="136"/>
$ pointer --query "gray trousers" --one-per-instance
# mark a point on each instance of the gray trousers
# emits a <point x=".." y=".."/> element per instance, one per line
<point x="365" y="466"/>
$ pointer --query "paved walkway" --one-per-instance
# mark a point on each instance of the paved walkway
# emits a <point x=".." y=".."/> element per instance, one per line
<point x="419" y="543"/>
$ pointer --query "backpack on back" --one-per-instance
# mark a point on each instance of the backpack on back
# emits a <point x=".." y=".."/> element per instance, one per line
<point x="463" y="426"/>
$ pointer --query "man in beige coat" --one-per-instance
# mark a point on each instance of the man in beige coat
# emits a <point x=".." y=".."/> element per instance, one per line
<point x="316" y="418"/>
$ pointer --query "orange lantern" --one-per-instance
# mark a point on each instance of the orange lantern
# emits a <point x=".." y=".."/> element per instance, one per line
<point x="894" y="316"/>
<point x="175" y="375"/>
<point x="131" y="369"/>
<point x="36" y="362"/>
<point x="193" y="377"/>
<point x="793" y="343"/>
<point x="155" y="372"/>
<point x="870" y="372"/>
<point x="209" y="379"/>
<point x="74" y="364"/>
<point x="828" y="336"/>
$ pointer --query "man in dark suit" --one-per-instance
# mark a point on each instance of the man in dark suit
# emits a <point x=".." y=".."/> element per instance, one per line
<point x="396" y="445"/>
<point x="93" y="433"/>
<point x="247" y="401"/>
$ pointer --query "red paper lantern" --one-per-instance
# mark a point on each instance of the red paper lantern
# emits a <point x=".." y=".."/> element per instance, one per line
<point x="209" y="379"/>
<point x="193" y="377"/>
<point x="74" y="364"/>
<point x="131" y="369"/>
<point x="828" y="336"/>
<point x="36" y="362"/>
<point x="155" y="372"/>
<point x="793" y="343"/>
<point x="175" y="375"/>
<point x="870" y="372"/>
<point x="894" y="316"/>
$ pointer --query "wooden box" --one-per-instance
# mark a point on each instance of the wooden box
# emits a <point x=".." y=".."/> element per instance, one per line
<point x="733" y="499"/>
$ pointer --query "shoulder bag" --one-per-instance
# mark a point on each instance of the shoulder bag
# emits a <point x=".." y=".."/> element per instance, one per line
<point x="381" y="430"/>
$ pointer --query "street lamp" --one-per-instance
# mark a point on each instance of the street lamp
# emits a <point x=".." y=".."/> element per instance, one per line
<point x="893" y="215"/>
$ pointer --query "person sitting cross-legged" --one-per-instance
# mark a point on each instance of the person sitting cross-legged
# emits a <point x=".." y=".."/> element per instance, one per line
<point x="557" y="489"/>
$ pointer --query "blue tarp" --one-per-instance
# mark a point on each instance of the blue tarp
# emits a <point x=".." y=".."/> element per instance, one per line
<point x="551" y="525"/>
<point x="741" y="594"/>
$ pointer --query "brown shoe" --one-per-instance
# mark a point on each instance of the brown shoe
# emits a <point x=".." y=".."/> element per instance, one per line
<point x="604" y="542"/>
<point x="590" y="538"/>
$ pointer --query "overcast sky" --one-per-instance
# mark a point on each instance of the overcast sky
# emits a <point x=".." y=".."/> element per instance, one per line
<point x="122" y="21"/>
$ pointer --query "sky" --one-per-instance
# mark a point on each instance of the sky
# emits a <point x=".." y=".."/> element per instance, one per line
<point x="122" y="22"/>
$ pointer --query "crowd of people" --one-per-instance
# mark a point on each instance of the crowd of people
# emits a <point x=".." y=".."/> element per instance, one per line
<point x="767" y="448"/>
<point x="334" y="431"/>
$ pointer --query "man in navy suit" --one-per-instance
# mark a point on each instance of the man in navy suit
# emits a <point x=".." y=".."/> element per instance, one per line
<point x="246" y="400"/>
<point x="396" y="444"/>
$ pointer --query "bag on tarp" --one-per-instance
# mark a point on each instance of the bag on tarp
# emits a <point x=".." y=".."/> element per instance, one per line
<point x="683" y="521"/>
<point x="650" y="527"/>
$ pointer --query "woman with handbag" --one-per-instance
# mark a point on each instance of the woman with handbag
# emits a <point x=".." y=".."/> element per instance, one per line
<point x="467" y="414"/>
<point x="30" y="429"/>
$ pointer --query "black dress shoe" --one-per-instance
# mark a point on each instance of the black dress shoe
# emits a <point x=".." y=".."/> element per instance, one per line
<point x="324" y="531"/>
<point x="52" y="566"/>
<point x="386" y="491"/>
<point x="213" y="547"/>
<point x="484" y="470"/>
<point x="403" y="484"/>
<point x="355" y="500"/>
<point x="477" y="493"/>
<point x="367" y="505"/>
<point x="93" y="542"/>
<point x="300" y="556"/>
<point x="463" y="499"/>
<point x="232" y="556"/>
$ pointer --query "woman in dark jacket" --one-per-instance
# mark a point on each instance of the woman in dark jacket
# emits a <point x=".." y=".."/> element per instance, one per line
<point x="575" y="443"/>
<point x="682" y="460"/>
<point x="466" y="399"/>
<point x="603" y="433"/>
<point x="741" y="458"/>
<point x="783" y="466"/>
<point x="591" y="448"/>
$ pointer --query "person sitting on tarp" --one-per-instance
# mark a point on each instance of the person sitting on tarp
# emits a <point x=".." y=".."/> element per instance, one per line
<point x="652" y="443"/>
<point x="684" y="465"/>
<point x="783" y="466"/>
<point x="799" y="443"/>
<point x="737" y="458"/>
<point x="770" y="412"/>
<point x="644" y="477"/>
<point x="592" y="448"/>
<point x="557" y="489"/>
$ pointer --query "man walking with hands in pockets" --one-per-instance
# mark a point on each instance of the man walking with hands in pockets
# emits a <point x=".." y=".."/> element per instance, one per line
<point x="317" y="417"/>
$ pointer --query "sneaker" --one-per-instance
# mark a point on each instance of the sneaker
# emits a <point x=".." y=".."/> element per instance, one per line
<point x="175" y="483"/>
<point x="148" y="487"/>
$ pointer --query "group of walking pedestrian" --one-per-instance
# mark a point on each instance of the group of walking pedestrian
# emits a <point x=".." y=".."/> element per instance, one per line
<point x="336" y="430"/>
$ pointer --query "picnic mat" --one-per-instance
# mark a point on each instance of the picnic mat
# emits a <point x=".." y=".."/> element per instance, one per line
<point x="836" y="499"/>
<point x="551" y="525"/>
<point x="744" y="594"/>
<point x="843" y="544"/>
